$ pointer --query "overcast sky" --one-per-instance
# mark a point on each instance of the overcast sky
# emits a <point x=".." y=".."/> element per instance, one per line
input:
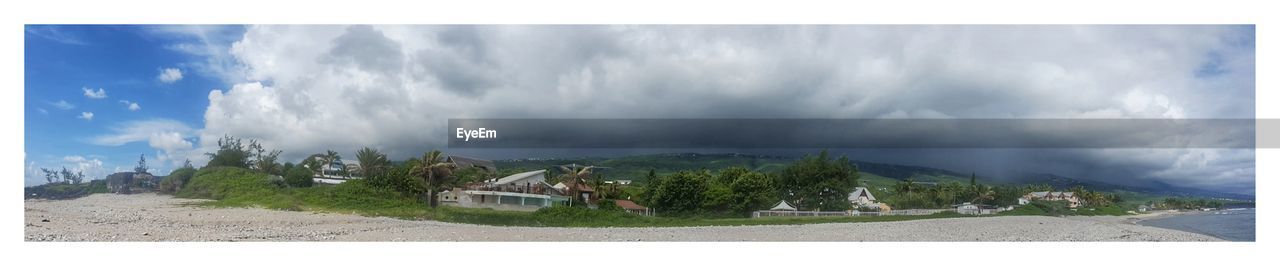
<point x="306" y="89"/>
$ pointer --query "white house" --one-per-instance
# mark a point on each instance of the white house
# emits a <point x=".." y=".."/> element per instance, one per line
<point x="861" y="196"/>
<point x="526" y="191"/>
<point x="976" y="209"/>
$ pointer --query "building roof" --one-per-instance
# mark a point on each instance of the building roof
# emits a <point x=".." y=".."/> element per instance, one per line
<point x="861" y="191"/>
<point x="1047" y="194"/>
<point x="463" y="162"/>
<point x="782" y="206"/>
<point x="520" y="178"/>
<point x="581" y="187"/>
<point x="629" y="205"/>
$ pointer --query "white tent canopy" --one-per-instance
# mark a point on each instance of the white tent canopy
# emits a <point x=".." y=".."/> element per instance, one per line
<point x="782" y="206"/>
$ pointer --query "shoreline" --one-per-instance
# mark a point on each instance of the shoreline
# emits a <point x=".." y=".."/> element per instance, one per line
<point x="152" y="217"/>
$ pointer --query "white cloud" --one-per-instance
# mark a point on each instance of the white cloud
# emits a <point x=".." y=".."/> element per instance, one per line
<point x="168" y="141"/>
<point x="170" y="75"/>
<point x="63" y="104"/>
<point x="99" y="94"/>
<point x="168" y="137"/>
<point x="92" y="168"/>
<point x="42" y="111"/>
<point x="139" y="130"/>
<point x="87" y="116"/>
<point x="210" y="42"/>
<point x="133" y="106"/>
<point x="395" y="86"/>
<point x="52" y="33"/>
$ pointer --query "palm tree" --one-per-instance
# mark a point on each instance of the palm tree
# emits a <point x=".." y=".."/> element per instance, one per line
<point x="330" y="157"/>
<point x="315" y="163"/>
<point x="982" y="193"/>
<point x="572" y="176"/>
<point x="372" y="162"/>
<point x="906" y="186"/>
<point x="434" y="171"/>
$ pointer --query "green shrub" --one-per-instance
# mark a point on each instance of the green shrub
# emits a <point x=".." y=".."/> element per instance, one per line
<point x="176" y="180"/>
<point x="224" y="182"/>
<point x="573" y="216"/>
<point x="1028" y="209"/>
<point x="608" y="205"/>
<point x="679" y="194"/>
<point x="298" y="177"/>
<point x="98" y="186"/>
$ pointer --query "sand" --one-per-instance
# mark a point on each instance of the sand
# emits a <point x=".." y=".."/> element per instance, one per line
<point x="151" y="217"/>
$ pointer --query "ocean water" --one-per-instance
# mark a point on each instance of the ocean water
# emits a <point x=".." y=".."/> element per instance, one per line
<point x="1229" y="224"/>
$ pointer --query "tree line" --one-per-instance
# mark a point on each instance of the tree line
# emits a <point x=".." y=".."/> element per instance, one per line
<point x="909" y="194"/>
<point x="815" y="182"/>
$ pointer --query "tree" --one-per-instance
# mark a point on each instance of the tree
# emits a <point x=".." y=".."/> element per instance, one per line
<point x="264" y="161"/>
<point x="231" y="152"/>
<point x="681" y="193"/>
<point x="298" y="177"/>
<point x="906" y="186"/>
<point x="982" y="194"/>
<point x="49" y="175"/>
<point x="315" y="163"/>
<point x="573" y="176"/>
<point x="70" y="177"/>
<point x="372" y="162"/>
<point x="818" y="182"/>
<point x="1007" y="195"/>
<point x="329" y="158"/>
<point x="434" y="172"/>
<point x="751" y="191"/>
<point x="142" y="164"/>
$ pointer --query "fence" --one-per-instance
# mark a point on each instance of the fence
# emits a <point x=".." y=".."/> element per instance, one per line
<point x="758" y="214"/>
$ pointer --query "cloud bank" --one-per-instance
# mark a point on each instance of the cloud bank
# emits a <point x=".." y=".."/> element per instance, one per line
<point x="306" y="89"/>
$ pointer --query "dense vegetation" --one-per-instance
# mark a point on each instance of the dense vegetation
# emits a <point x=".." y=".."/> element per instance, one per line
<point x="63" y="190"/>
<point x="705" y="190"/>
<point x="237" y="187"/>
<point x="1186" y="204"/>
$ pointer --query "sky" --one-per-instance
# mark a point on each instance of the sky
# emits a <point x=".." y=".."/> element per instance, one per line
<point x="98" y="96"/>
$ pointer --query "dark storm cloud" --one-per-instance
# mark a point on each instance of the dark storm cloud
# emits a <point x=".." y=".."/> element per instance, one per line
<point x="394" y="87"/>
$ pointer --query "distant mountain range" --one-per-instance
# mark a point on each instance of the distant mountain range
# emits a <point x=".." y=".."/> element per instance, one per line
<point x="636" y="167"/>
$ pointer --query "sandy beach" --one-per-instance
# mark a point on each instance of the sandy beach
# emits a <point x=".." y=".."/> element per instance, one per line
<point x="151" y="217"/>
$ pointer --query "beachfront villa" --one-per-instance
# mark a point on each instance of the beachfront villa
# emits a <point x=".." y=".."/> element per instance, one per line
<point x="1069" y="197"/>
<point x="527" y="191"/>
